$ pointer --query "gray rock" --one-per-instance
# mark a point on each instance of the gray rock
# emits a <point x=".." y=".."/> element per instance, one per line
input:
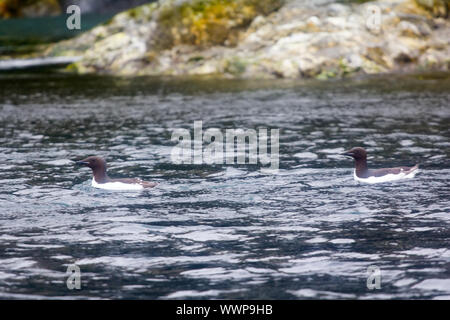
<point x="408" y="29"/>
<point x="338" y="10"/>
<point x="302" y="39"/>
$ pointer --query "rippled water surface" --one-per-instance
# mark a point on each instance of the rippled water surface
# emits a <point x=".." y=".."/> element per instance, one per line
<point x="223" y="231"/>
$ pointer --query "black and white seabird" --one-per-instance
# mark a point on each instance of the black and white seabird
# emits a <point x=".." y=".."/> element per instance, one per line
<point x="363" y="174"/>
<point x="102" y="181"/>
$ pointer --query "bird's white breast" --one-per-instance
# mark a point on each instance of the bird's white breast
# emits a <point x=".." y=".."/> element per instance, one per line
<point x="116" y="185"/>
<point x="386" y="178"/>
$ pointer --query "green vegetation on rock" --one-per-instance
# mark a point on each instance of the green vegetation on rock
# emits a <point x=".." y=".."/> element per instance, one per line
<point x="207" y="22"/>
<point x="439" y="8"/>
<point x="266" y="39"/>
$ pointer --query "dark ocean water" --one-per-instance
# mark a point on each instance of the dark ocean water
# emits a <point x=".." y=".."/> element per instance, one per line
<point x="223" y="231"/>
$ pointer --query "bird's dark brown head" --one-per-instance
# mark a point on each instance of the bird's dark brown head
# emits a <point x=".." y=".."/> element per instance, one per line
<point x="357" y="153"/>
<point x="97" y="164"/>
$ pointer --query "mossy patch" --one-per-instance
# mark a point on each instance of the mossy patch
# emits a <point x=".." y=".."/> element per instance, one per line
<point x="439" y="8"/>
<point x="208" y="22"/>
<point x="235" y="66"/>
<point x="327" y="74"/>
<point x="196" y="59"/>
<point x="345" y="69"/>
<point x="142" y="13"/>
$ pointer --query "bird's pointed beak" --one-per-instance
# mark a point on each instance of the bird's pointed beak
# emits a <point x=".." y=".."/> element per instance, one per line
<point x="347" y="153"/>
<point x="81" y="163"/>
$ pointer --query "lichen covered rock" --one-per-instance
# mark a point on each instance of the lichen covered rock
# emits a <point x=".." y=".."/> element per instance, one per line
<point x="266" y="39"/>
<point x="206" y="22"/>
<point x="439" y="8"/>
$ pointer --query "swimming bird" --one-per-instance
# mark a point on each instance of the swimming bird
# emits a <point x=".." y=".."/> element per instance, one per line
<point x="102" y="181"/>
<point x="363" y="174"/>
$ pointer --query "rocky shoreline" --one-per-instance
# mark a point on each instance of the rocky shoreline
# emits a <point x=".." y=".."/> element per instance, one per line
<point x="267" y="39"/>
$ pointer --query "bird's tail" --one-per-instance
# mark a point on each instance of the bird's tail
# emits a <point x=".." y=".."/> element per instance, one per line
<point x="412" y="171"/>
